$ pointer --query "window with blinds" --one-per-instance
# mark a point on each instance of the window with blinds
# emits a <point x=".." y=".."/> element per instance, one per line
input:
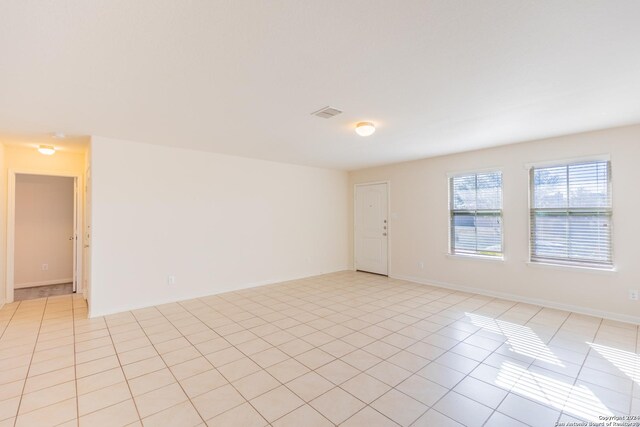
<point x="476" y="214"/>
<point x="571" y="214"/>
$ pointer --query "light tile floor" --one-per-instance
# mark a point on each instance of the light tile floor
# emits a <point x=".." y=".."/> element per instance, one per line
<point x="346" y="348"/>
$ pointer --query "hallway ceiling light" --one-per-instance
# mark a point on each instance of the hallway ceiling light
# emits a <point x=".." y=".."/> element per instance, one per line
<point x="365" y="128"/>
<point x="47" y="150"/>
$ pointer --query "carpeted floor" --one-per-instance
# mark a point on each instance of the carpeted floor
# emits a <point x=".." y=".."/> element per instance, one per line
<point x="42" y="291"/>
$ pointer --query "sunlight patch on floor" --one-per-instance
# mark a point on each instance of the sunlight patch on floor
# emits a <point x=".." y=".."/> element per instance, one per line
<point x="521" y="339"/>
<point x="626" y="361"/>
<point x="577" y="400"/>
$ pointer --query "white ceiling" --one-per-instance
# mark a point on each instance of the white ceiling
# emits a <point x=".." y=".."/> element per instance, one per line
<point x="242" y="77"/>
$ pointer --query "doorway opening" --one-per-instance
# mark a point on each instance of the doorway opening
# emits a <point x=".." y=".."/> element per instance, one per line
<point x="42" y="236"/>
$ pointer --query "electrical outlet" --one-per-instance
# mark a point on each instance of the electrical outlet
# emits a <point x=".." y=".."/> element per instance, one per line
<point x="633" y="294"/>
<point x="45" y="267"/>
<point x="421" y="265"/>
<point x="171" y="280"/>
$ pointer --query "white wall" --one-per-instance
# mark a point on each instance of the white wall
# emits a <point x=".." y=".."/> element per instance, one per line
<point x="43" y="224"/>
<point x="218" y="223"/>
<point x="419" y="224"/>
<point x="3" y="227"/>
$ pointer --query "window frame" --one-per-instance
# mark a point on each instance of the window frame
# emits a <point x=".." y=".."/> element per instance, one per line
<point x="495" y="212"/>
<point x="572" y="263"/>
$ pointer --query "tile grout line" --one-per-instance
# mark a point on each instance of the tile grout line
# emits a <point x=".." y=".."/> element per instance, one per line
<point x="429" y="407"/>
<point x="575" y="380"/>
<point x="530" y="364"/>
<point x="54" y="385"/>
<point x="186" y="309"/>
<point x="77" y="420"/>
<point x="10" y="319"/>
<point x="1" y="336"/>
<point x="141" y="360"/>
<point x="166" y="367"/>
<point x="247" y="328"/>
<point x="44" y="309"/>
<point x="451" y="389"/>
<point x="466" y="375"/>
<point x="386" y="360"/>
<point x="494" y="410"/>
<point x="234" y="387"/>
<point x="561" y="411"/>
<point x="281" y="383"/>
<point x="586" y="356"/>
<point x="123" y="375"/>
<point x="447" y="350"/>
<point x="471" y="296"/>
<point x="75" y="364"/>
<point x="515" y="304"/>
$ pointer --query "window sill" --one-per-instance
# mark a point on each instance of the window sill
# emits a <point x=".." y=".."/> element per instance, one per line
<point x="585" y="269"/>
<point x="477" y="257"/>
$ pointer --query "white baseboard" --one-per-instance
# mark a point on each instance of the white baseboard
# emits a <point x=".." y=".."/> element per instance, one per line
<point x="130" y="307"/>
<point x="43" y="283"/>
<point x="518" y="298"/>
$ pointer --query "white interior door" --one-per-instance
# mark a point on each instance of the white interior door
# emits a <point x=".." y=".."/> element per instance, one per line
<point x="371" y="228"/>
<point x="74" y="237"/>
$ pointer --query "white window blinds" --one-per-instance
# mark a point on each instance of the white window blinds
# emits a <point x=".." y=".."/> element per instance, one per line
<point x="571" y="214"/>
<point x="476" y="214"/>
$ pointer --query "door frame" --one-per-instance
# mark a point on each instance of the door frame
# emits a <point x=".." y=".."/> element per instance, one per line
<point x="86" y="236"/>
<point x="11" y="226"/>
<point x="355" y="213"/>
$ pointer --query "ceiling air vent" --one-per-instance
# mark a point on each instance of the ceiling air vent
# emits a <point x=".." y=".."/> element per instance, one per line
<point x="326" y="112"/>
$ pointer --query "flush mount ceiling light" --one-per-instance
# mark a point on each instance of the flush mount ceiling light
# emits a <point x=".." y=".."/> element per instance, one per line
<point x="365" y="128"/>
<point x="47" y="150"/>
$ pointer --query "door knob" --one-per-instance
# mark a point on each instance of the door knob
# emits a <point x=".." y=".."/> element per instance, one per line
<point x="384" y="234"/>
